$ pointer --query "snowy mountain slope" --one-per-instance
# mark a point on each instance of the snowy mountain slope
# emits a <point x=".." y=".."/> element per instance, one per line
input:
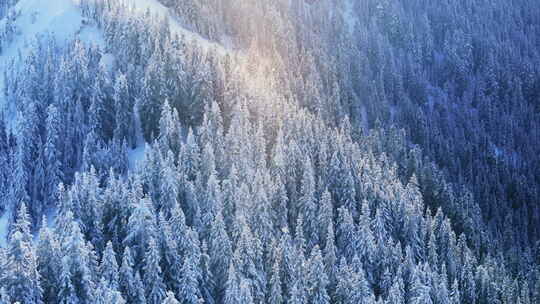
<point x="157" y="9"/>
<point x="245" y="178"/>
<point x="63" y="21"/>
<point x="60" y="18"/>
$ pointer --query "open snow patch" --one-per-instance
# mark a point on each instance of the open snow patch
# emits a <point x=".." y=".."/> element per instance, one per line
<point x="107" y="61"/>
<point x="136" y="156"/>
<point x="4" y="228"/>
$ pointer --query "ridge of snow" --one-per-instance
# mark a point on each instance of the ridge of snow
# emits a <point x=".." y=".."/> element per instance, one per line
<point x="159" y="10"/>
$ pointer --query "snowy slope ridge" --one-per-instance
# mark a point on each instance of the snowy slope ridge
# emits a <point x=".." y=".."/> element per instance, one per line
<point x="62" y="20"/>
<point x="157" y="9"/>
<point x="137" y="155"/>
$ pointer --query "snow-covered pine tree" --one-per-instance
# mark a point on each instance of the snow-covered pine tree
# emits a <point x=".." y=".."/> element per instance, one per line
<point x="48" y="254"/>
<point x="109" y="268"/>
<point x="317" y="278"/>
<point x="153" y="280"/>
<point x="275" y="295"/>
<point x="308" y="208"/>
<point x="66" y="290"/>
<point x="22" y="279"/>
<point x="53" y="156"/>
<point x="189" y="290"/>
<point x="220" y="251"/>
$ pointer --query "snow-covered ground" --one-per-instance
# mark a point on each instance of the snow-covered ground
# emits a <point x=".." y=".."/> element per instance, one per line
<point x="136" y="156"/>
<point x="4" y="225"/>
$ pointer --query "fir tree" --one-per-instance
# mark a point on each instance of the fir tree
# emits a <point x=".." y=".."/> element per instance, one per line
<point x="346" y="239"/>
<point x="232" y="292"/>
<point x="153" y="281"/>
<point x="126" y="278"/>
<point x="109" y="268"/>
<point x="54" y="174"/>
<point x="275" y="293"/>
<point x="317" y="278"/>
<point x="191" y="274"/>
<point x="220" y="253"/>
<point x="307" y="204"/>
<point x="66" y="294"/>
<point x="22" y="280"/>
<point x="48" y="254"/>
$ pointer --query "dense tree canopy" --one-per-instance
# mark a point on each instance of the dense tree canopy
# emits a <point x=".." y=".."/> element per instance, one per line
<point x="313" y="152"/>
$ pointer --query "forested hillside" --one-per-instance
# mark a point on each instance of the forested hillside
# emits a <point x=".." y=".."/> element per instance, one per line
<point x="303" y="152"/>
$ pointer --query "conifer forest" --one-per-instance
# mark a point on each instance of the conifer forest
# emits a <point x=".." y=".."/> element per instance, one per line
<point x="269" y="152"/>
